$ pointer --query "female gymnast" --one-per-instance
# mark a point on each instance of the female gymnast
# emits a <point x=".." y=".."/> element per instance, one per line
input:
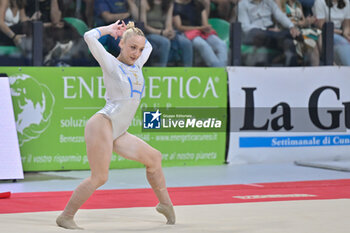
<point x="105" y="131"/>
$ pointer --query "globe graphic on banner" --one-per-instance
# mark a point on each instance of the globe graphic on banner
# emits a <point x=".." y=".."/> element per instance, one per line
<point x="33" y="106"/>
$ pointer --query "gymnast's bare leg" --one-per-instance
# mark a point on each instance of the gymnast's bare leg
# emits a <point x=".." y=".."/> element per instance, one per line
<point x="99" y="144"/>
<point x="133" y="148"/>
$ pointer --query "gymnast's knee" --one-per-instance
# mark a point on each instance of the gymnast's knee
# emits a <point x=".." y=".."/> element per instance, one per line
<point x="99" y="180"/>
<point x="155" y="160"/>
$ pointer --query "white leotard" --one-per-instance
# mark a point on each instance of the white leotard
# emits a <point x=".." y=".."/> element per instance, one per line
<point x="124" y="84"/>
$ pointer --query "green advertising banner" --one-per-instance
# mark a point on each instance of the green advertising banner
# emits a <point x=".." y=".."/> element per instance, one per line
<point x="53" y="104"/>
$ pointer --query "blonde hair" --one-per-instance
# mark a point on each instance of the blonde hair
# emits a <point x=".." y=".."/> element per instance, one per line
<point x="132" y="30"/>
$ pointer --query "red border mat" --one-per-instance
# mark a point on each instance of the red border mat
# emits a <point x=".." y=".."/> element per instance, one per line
<point x="5" y="194"/>
<point x="124" y="198"/>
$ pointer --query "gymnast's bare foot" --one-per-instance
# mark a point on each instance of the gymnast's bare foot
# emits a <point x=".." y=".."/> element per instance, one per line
<point x="168" y="212"/>
<point x="67" y="222"/>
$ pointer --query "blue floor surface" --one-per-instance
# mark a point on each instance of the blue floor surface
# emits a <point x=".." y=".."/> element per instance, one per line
<point x="175" y="177"/>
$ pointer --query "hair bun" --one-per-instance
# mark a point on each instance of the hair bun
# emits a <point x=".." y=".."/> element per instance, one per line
<point x="131" y="29"/>
<point x="130" y="25"/>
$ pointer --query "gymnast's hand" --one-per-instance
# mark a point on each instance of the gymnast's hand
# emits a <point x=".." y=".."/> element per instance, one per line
<point x="117" y="29"/>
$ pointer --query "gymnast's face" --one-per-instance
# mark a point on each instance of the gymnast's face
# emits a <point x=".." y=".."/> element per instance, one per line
<point x="131" y="49"/>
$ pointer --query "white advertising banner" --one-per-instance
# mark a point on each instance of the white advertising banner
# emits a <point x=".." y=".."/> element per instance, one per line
<point x="10" y="159"/>
<point x="288" y="114"/>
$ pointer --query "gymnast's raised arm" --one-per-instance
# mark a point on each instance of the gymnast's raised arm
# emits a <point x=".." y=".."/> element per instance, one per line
<point x="91" y="37"/>
<point x="145" y="54"/>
